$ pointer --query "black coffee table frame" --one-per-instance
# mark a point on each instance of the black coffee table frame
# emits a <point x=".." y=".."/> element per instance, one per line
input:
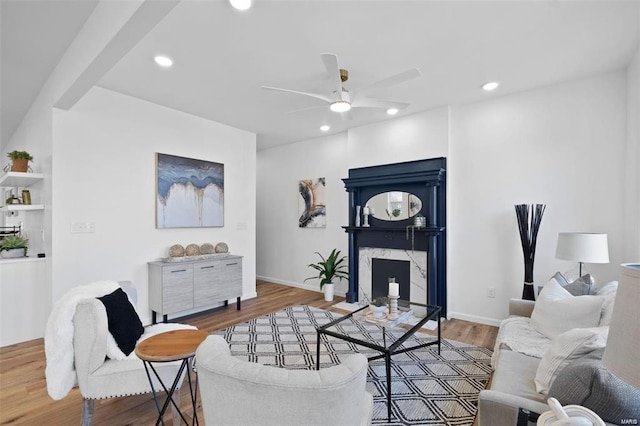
<point x="433" y="313"/>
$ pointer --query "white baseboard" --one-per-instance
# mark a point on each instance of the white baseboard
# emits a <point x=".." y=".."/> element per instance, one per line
<point x="304" y="286"/>
<point x="474" y="318"/>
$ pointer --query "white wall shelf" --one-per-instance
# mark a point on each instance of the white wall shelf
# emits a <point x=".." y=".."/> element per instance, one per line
<point x="19" y="179"/>
<point x="21" y="207"/>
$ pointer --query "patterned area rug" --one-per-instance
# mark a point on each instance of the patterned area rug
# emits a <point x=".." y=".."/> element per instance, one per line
<point x="427" y="388"/>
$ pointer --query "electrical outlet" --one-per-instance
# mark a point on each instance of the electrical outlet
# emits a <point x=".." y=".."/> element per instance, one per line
<point x="491" y="292"/>
<point x="83" y="227"/>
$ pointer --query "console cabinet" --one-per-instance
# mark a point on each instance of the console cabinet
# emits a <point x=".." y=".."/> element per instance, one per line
<point x="180" y="286"/>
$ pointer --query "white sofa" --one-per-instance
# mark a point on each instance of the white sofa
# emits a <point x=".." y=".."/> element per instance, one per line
<point x="518" y="352"/>
<point x="238" y="392"/>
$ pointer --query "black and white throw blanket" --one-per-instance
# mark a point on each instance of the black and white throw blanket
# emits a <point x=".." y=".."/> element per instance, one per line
<point x="427" y="388"/>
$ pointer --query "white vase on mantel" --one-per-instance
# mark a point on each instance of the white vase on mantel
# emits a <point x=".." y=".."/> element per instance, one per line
<point x="328" y="289"/>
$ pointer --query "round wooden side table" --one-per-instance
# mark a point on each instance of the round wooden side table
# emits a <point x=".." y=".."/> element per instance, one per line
<point x="175" y="345"/>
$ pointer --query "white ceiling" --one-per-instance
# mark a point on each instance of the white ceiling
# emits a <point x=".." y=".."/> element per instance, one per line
<point x="223" y="56"/>
<point x="34" y="35"/>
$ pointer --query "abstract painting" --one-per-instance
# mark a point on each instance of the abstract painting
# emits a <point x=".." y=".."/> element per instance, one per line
<point x="189" y="193"/>
<point x="311" y="203"/>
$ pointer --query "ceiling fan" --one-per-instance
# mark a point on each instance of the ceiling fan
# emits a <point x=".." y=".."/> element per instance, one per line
<point x="341" y="100"/>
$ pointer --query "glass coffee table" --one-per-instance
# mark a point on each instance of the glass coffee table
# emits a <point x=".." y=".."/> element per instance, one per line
<point x="392" y="337"/>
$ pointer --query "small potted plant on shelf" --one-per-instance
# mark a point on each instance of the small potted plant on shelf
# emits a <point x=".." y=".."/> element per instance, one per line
<point x="20" y="160"/>
<point x="378" y="306"/>
<point x="328" y="269"/>
<point x="13" y="246"/>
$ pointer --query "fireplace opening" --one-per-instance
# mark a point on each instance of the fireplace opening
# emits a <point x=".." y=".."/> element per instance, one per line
<point x="383" y="269"/>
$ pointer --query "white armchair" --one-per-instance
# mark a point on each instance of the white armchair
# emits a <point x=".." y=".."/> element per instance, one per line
<point x="100" y="377"/>
<point x="237" y="392"/>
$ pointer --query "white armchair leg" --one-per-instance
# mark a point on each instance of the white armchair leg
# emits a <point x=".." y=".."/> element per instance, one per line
<point x="87" y="411"/>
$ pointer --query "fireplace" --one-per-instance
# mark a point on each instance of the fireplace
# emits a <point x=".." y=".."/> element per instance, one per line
<point x="407" y="248"/>
<point x="383" y="271"/>
<point x="409" y="268"/>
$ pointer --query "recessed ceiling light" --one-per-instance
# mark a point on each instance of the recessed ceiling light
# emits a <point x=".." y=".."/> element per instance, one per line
<point x="392" y="111"/>
<point x="490" y="86"/>
<point x="325" y="128"/>
<point x="340" y="106"/>
<point x="241" y="4"/>
<point x="163" y="61"/>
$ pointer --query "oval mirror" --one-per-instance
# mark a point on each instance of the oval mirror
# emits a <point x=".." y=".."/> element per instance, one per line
<point x="394" y="205"/>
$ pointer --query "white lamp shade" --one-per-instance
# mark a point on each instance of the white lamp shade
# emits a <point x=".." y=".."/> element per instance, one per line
<point x="583" y="247"/>
<point x="622" y="354"/>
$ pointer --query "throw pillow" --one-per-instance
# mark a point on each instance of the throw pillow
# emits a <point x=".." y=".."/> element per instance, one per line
<point x="580" y="287"/>
<point x="557" y="311"/>
<point x="608" y="293"/>
<point x="569" y="346"/>
<point x="124" y="324"/>
<point x="590" y="384"/>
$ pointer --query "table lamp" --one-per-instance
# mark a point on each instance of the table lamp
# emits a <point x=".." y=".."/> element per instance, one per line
<point x="582" y="248"/>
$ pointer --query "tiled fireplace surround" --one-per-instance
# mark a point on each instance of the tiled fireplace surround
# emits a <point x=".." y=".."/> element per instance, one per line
<point x="417" y="270"/>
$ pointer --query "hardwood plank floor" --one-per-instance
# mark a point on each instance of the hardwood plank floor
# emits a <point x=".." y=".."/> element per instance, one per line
<point x="23" y="390"/>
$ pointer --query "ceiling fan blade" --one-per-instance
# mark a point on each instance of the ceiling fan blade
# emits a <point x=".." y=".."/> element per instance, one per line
<point x="313" y="95"/>
<point x="391" y="81"/>
<point x="364" y="102"/>
<point x="295" y="111"/>
<point x="346" y="116"/>
<point x="333" y="70"/>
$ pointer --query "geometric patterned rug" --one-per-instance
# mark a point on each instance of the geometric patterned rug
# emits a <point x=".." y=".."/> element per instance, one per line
<point x="426" y="388"/>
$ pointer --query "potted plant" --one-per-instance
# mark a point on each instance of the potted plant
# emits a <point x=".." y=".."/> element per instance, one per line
<point x="13" y="246"/>
<point x="328" y="269"/>
<point x="378" y="306"/>
<point x="20" y="160"/>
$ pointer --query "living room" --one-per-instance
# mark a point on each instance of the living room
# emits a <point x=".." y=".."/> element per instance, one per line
<point x="570" y="143"/>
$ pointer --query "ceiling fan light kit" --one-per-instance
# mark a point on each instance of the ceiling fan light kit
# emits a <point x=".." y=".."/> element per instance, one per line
<point x="340" y="100"/>
<point x="340" y="106"/>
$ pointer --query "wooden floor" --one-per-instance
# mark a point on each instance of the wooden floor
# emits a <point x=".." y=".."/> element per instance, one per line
<point x="23" y="392"/>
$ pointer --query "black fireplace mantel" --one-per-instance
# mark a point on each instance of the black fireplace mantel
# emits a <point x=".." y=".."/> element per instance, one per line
<point x="427" y="180"/>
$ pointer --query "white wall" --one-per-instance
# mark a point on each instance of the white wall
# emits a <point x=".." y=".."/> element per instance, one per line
<point x="632" y="194"/>
<point x="414" y="137"/>
<point x="283" y="248"/>
<point x="562" y="145"/>
<point x="104" y="172"/>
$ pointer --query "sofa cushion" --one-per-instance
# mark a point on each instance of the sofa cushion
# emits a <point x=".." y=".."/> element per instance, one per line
<point x="557" y="311"/>
<point x="514" y="375"/>
<point x="567" y="347"/>
<point x="589" y="383"/>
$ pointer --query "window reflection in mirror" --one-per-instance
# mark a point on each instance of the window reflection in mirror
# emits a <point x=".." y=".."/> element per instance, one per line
<point x="394" y="205"/>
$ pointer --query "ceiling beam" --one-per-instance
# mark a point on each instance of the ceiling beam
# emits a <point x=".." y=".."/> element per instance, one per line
<point x="145" y="18"/>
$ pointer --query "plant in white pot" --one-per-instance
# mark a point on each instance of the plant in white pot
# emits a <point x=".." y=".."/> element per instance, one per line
<point x="328" y="269"/>
<point x="13" y="246"/>
<point x="378" y="306"/>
